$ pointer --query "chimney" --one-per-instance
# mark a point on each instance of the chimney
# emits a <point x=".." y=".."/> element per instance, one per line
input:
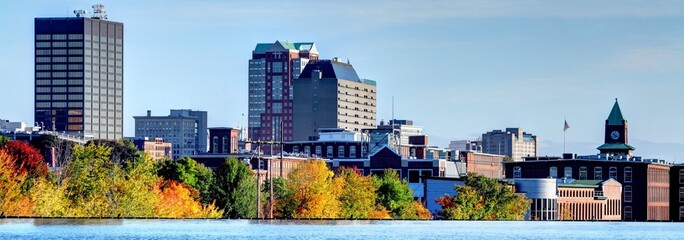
<point x="149" y="113"/>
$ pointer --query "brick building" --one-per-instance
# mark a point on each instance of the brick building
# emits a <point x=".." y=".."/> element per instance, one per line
<point x="590" y="200"/>
<point x="488" y="165"/>
<point x="156" y="148"/>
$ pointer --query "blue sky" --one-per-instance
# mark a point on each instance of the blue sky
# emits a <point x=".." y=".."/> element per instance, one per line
<point x="458" y="68"/>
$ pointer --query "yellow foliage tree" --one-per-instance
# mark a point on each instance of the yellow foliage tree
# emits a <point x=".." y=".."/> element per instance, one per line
<point x="49" y="200"/>
<point x="137" y="192"/>
<point x="358" y="196"/>
<point x="12" y="201"/>
<point x="311" y="192"/>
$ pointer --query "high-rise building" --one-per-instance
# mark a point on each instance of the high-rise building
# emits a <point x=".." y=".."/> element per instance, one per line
<point x="79" y="75"/>
<point x="513" y="143"/>
<point x="185" y="129"/>
<point x="272" y="69"/>
<point x="329" y="94"/>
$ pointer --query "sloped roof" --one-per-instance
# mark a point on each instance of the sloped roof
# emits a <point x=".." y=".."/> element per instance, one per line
<point x="615" y="117"/>
<point x="615" y="146"/>
<point x="331" y="69"/>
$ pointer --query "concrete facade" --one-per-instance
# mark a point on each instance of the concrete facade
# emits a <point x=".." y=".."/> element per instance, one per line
<point x="79" y="76"/>
<point x="512" y="142"/>
<point x="185" y="129"/>
<point x="329" y="94"/>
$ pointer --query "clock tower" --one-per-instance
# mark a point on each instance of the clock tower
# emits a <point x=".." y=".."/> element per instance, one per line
<point x="616" y="134"/>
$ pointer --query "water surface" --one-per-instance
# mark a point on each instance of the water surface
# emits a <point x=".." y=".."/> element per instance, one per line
<point x="281" y="229"/>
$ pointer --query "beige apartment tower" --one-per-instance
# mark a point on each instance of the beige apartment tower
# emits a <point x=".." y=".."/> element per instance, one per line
<point x="329" y="94"/>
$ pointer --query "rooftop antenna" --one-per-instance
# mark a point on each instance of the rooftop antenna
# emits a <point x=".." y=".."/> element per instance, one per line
<point x="80" y="13"/>
<point x="99" y="12"/>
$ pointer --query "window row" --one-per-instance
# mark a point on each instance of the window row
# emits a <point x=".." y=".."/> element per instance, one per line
<point x="583" y="173"/>
<point x="58" y="97"/>
<point x="59" y="36"/>
<point x="44" y="82"/>
<point x="59" y="104"/>
<point x="58" y="59"/>
<point x="329" y="153"/>
<point x="41" y="52"/>
<point x="43" y="67"/>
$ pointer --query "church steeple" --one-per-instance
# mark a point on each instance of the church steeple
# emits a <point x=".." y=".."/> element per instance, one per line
<point x="615" y="118"/>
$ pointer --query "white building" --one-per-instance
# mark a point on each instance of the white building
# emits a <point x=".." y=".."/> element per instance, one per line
<point x="185" y="129"/>
<point x="512" y="142"/>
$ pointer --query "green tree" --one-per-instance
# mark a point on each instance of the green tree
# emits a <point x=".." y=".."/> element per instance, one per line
<point x="190" y="172"/>
<point x="89" y="181"/>
<point x="121" y="151"/>
<point x="484" y="198"/>
<point x="3" y="140"/>
<point x="137" y="192"/>
<point x="358" y="198"/>
<point x="235" y="189"/>
<point x="393" y="193"/>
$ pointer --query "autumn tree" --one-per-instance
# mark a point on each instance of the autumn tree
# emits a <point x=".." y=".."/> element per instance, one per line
<point x="176" y="201"/>
<point x="311" y="192"/>
<point x="49" y="199"/>
<point x="89" y="178"/>
<point x="188" y="171"/>
<point x="235" y="189"/>
<point x="137" y="188"/>
<point x="27" y="158"/>
<point x="12" y="201"/>
<point x="483" y="198"/>
<point x="358" y="199"/>
<point x="396" y="196"/>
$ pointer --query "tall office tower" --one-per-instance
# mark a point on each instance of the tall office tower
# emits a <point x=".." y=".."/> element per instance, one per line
<point x="513" y="143"/>
<point x="272" y="69"/>
<point x="185" y="129"/>
<point x="329" y="94"/>
<point x="79" y="75"/>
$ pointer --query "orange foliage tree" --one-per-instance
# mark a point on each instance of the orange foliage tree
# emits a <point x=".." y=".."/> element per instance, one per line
<point x="12" y="201"/>
<point x="178" y="201"/>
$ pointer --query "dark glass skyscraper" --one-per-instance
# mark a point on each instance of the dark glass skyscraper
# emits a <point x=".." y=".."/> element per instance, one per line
<point x="79" y="76"/>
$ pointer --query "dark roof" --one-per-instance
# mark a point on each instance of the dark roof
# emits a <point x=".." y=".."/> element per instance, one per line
<point x="331" y="69"/>
<point x="615" y="117"/>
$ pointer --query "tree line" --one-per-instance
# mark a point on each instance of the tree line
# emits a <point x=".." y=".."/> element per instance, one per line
<point x="113" y="179"/>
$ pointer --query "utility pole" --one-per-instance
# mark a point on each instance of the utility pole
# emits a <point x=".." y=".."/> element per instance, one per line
<point x="270" y="171"/>
<point x="258" y="176"/>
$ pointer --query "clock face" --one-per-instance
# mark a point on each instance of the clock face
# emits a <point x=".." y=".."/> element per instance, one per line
<point x="615" y="135"/>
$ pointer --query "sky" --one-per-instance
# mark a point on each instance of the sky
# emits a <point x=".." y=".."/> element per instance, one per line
<point x="457" y="68"/>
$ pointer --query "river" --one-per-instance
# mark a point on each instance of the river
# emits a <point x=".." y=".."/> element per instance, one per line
<point x="285" y="229"/>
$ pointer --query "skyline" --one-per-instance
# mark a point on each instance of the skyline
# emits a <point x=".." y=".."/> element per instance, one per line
<point x="558" y="61"/>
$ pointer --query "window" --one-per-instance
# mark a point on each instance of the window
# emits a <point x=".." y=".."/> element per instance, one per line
<point x="628" y="193"/>
<point x="340" y="152"/>
<point x="319" y="151"/>
<point x="59" y="44"/>
<point x="329" y="151"/>
<point x="224" y="141"/>
<point x="214" y="144"/>
<point x="414" y="176"/>
<point x="598" y="173"/>
<point x="583" y="173"/>
<point x="681" y="194"/>
<point x="553" y="172"/>
<point x="568" y="172"/>
<point x="43" y="37"/>
<point x="307" y="150"/>
<point x="295" y="149"/>
<point x="43" y="44"/>
<point x="681" y="213"/>
<point x="352" y="151"/>
<point x="43" y="82"/>
<point x="628" y="213"/>
<point x="364" y="151"/>
<point x="628" y="174"/>
<point x="681" y="176"/>
<point x="612" y="172"/>
<point x="517" y="172"/>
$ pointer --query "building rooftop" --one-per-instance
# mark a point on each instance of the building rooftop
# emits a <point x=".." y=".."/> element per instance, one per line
<point x="331" y="69"/>
<point x="615" y="117"/>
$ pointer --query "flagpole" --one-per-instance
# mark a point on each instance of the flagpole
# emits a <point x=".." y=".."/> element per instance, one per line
<point x="565" y="122"/>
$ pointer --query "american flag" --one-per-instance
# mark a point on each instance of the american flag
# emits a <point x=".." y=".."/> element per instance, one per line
<point x="566" y="126"/>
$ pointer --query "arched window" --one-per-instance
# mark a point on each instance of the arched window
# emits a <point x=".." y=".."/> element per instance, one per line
<point x="598" y="173"/>
<point x="352" y="151"/>
<point x="553" y="172"/>
<point x="329" y="151"/>
<point x="517" y="172"/>
<point x="583" y="173"/>
<point x="628" y="174"/>
<point x="340" y="151"/>
<point x="568" y="172"/>
<point x="612" y="172"/>
<point x="319" y="151"/>
<point x="224" y="141"/>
